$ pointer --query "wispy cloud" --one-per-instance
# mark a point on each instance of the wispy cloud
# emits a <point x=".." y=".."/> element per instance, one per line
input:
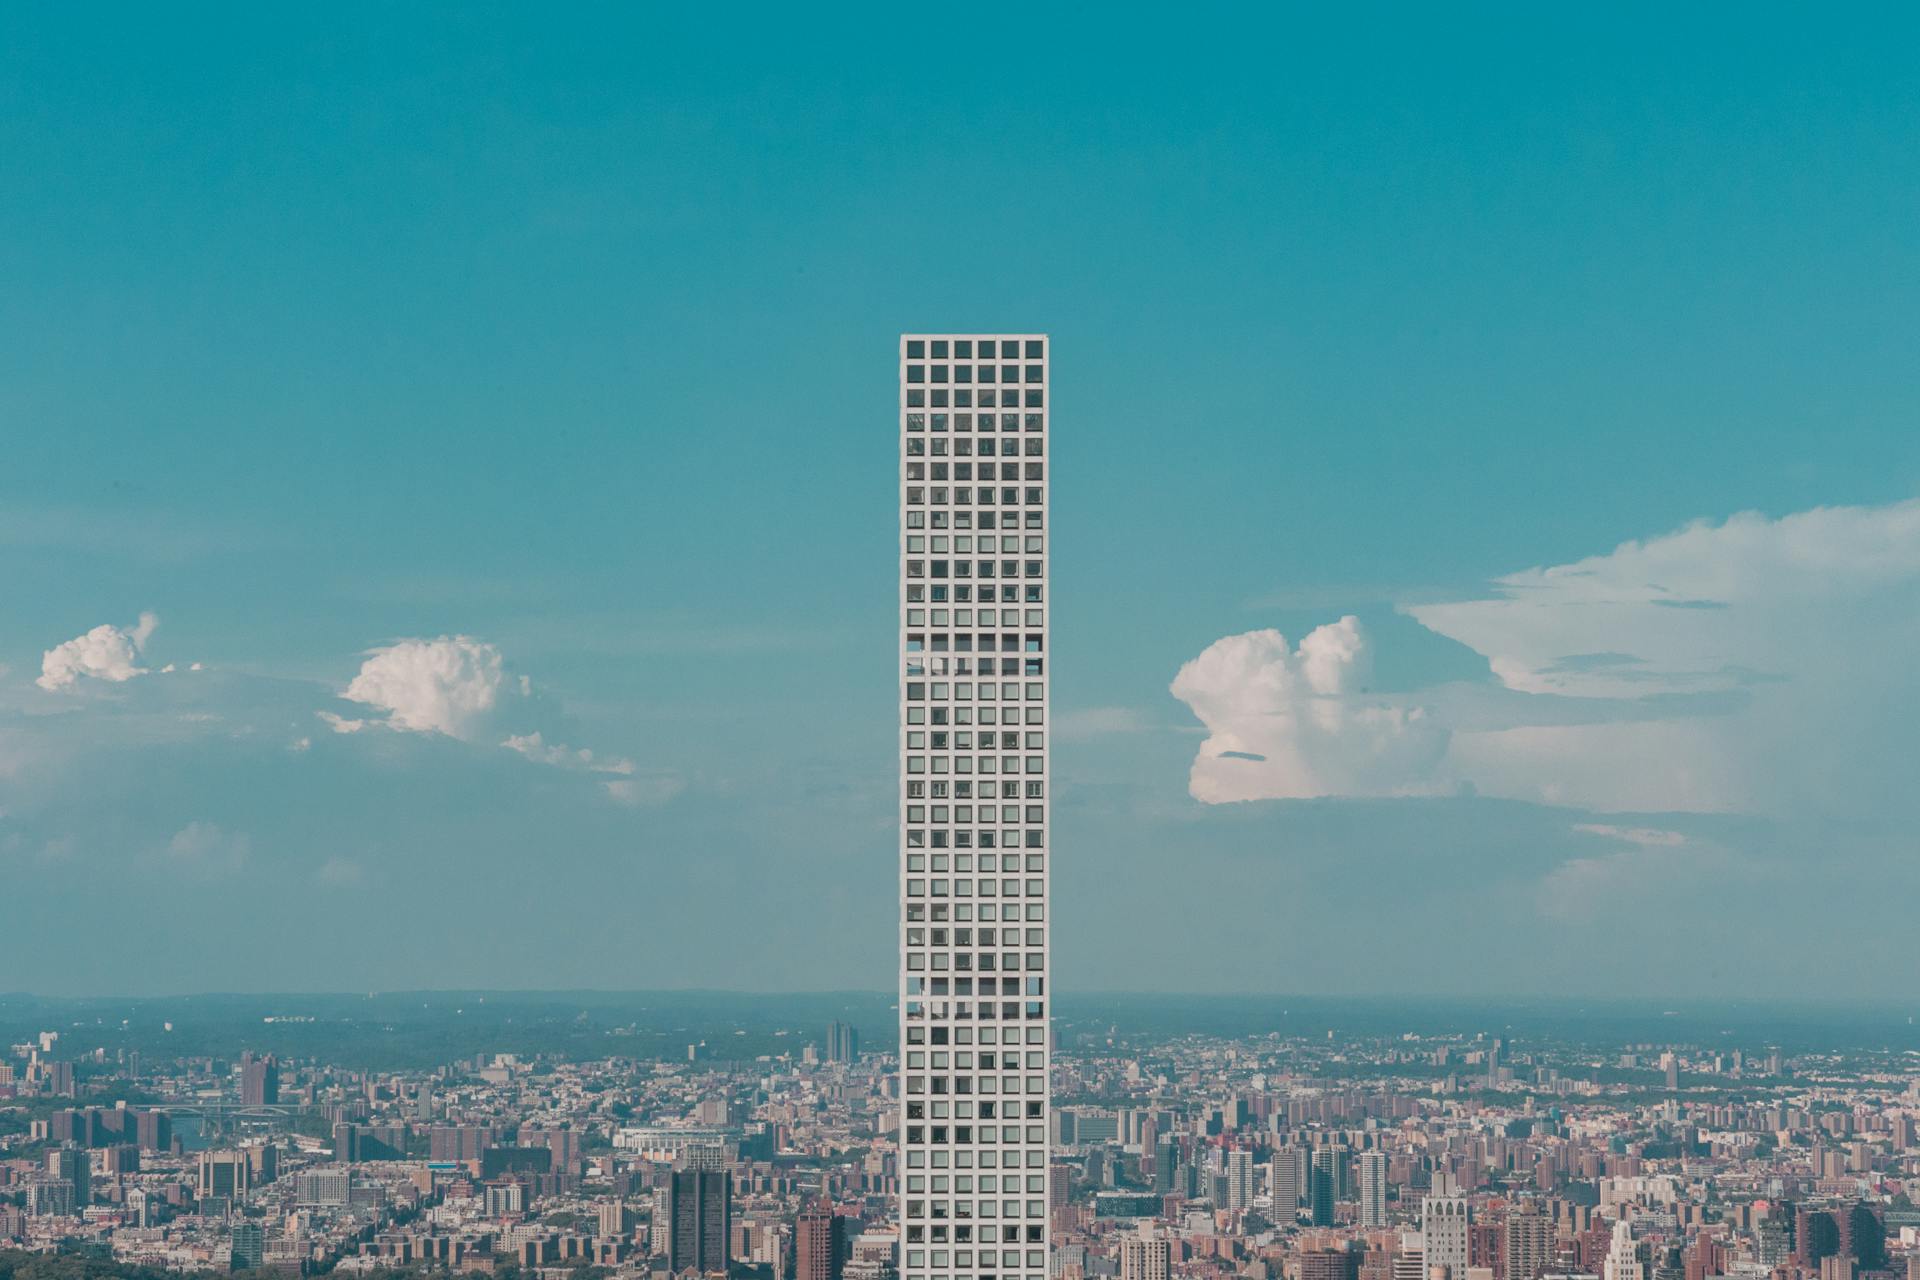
<point x="340" y="873"/>
<point x="204" y="848"/>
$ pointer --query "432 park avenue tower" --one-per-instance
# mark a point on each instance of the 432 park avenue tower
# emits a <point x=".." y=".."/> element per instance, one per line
<point x="974" y="852"/>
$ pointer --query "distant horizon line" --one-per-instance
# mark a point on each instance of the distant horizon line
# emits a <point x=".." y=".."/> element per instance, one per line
<point x="1676" y="1003"/>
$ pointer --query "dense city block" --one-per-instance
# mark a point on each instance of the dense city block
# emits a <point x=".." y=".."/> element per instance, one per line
<point x="1289" y="1154"/>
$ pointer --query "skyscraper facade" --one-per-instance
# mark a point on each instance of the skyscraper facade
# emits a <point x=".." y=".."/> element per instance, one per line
<point x="974" y="864"/>
<point x="1145" y="1257"/>
<point x="1328" y="1177"/>
<point x="1443" y="1228"/>
<point x="71" y="1165"/>
<point x="1373" y="1188"/>
<point x="1239" y="1179"/>
<point x="1623" y="1256"/>
<point x="259" y="1080"/>
<point x="843" y="1042"/>
<point x="249" y="1245"/>
<point x="695" y="1208"/>
<point x="819" y="1244"/>
<point x="1288" y="1181"/>
<point x="1526" y="1243"/>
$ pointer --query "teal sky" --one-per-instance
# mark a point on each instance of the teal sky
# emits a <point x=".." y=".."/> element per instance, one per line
<point x="572" y="333"/>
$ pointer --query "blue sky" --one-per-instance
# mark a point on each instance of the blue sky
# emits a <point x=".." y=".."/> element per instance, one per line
<point x="323" y="333"/>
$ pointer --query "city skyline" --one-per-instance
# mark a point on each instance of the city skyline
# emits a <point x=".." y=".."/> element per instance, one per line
<point x="1419" y="1149"/>
<point x="443" y="508"/>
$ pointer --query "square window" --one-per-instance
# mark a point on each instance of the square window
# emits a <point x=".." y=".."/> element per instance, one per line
<point x="916" y="349"/>
<point x="1033" y="350"/>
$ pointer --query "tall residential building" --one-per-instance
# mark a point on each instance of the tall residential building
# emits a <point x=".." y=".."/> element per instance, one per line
<point x="1443" y="1227"/>
<point x="1327" y="1176"/>
<point x="1145" y="1257"/>
<point x="1373" y="1188"/>
<point x="263" y="1162"/>
<point x="1287" y="1182"/>
<point x="974" y="867"/>
<point x="695" y="1206"/>
<point x="1059" y="1183"/>
<point x="1166" y="1158"/>
<point x="819" y="1244"/>
<point x="72" y="1165"/>
<point x="50" y="1197"/>
<point x="259" y="1080"/>
<point x="1527" y="1245"/>
<point x="1239" y="1179"/>
<point x="460" y="1142"/>
<point x="153" y="1130"/>
<point x="249" y="1245"/>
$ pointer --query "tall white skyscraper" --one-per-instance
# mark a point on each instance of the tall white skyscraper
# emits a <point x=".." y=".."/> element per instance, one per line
<point x="1373" y="1188"/>
<point x="974" y="866"/>
<point x="1443" y="1228"/>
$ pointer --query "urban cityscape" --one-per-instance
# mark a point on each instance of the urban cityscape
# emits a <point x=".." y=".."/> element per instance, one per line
<point x="822" y="642"/>
<point x="1490" y="1154"/>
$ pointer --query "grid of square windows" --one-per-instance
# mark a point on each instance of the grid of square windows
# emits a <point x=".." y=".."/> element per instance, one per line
<point x="974" y="807"/>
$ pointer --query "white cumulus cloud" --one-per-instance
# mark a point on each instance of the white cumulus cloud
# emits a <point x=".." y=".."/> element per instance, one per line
<point x="460" y="687"/>
<point x="1757" y="665"/>
<point x="451" y="685"/>
<point x="1295" y="723"/>
<point x="105" y="653"/>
